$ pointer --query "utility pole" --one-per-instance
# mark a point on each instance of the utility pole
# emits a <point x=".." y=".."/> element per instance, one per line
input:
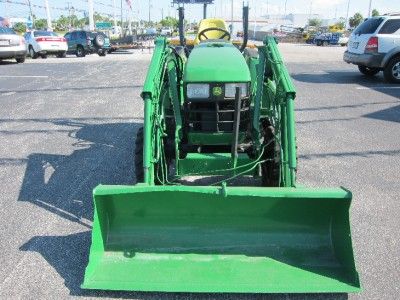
<point x="91" y="15"/>
<point x="369" y="8"/>
<point x="114" y="14"/>
<point x="31" y="13"/>
<point x="122" y="20"/>
<point x="285" y="7"/>
<point x="69" y="13"/>
<point x="347" y="15"/>
<point x="149" y="12"/>
<point x="49" y="25"/>
<point x="231" y="31"/>
<point x="204" y="10"/>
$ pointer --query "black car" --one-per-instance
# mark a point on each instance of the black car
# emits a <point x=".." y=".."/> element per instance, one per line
<point x="81" y="42"/>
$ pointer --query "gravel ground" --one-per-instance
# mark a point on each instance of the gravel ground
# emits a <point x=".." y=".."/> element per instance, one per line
<point x="69" y="124"/>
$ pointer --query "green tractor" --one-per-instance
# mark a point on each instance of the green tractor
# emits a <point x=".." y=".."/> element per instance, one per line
<point x="216" y="207"/>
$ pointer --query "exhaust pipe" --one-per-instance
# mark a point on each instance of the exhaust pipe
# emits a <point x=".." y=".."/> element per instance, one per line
<point x="181" y="11"/>
<point x="245" y="27"/>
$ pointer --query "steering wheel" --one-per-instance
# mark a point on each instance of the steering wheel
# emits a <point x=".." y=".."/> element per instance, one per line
<point x="203" y="36"/>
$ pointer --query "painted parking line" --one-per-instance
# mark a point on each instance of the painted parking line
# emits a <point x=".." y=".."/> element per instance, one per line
<point x="377" y="87"/>
<point x="23" y="76"/>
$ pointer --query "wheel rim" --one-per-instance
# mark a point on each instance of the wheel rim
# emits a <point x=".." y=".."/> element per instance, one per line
<point x="396" y="70"/>
<point x="31" y="52"/>
<point x="79" y="51"/>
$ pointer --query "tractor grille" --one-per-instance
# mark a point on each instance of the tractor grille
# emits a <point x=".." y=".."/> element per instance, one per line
<point x="215" y="115"/>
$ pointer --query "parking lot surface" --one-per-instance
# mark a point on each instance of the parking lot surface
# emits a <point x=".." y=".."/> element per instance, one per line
<point x="69" y="124"/>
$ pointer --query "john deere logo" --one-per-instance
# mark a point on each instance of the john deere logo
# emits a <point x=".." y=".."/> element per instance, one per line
<point x="217" y="91"/>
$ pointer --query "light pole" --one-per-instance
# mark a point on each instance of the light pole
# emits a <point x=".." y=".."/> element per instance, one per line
<point x="285" y="6"/>
<point x="347" y="14"/>
<point x="369" y="8"/>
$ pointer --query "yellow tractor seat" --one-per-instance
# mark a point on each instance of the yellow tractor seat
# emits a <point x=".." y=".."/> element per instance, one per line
<point x="212" y="29"/>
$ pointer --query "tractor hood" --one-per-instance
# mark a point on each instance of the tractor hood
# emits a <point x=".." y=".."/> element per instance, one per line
<point x="216" y="62"/>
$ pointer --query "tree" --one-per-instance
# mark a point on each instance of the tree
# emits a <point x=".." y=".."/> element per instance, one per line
<point x="355" y="20"/>
<point x="340" y="25"/>
<point x="19" y="27"/>
<point x="375" y="12"/>
<point x="41" y="23"/>
<point x="62" y="23"/>
<point x="169" y="22"/>
<point x="315" y="22"/>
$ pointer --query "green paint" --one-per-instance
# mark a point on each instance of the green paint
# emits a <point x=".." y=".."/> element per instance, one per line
<point x="221" y="239"/>
<point x="216" y="64"/>
<point x="211" y="164"/>
<point x="220" y="138"/>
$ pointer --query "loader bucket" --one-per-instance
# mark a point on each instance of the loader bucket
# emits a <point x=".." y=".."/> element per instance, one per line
<point x="221" y="239"/>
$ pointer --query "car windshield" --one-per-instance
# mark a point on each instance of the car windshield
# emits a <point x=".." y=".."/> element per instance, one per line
<point x="6" y="30"/>
<point x="44" y="33"/>
<point x="369" y="26"/>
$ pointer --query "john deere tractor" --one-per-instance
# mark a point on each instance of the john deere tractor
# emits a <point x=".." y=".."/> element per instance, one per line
<point x="216" y="206"/>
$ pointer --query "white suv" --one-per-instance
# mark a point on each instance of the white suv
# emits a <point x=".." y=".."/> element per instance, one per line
<point x="375" y="46"/>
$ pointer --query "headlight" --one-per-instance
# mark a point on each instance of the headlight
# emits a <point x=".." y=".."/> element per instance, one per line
<point x="198" y="90"/>
<point x="230" y="89"/>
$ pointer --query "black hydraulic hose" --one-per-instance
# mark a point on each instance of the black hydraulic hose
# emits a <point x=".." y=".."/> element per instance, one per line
<point x="245" y="27"/>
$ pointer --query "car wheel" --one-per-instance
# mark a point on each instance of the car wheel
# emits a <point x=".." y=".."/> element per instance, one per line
<point x="319" y="43"/>
<point x="80" y="52"/>
<point x="62" y="54"/>
<point x="102" y="53"/>
<point x="32" y="53"/>
<point x="325" y="43"/>
<point x="44" y="56"/>
<point x="368" y="71"/>
<point x="20" y="60"/>
<point x="392" y="70"/>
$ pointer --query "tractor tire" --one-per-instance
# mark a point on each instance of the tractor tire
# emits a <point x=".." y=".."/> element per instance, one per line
<point x="139" y="155"/>
<point x="368" y="71"/>
<point x="392" y="70"/>
<point x="43" y="56"/>
<point x="270" y="170"/>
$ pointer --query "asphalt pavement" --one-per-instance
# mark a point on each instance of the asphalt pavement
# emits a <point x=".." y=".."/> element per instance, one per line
<point x="69" y="124"/>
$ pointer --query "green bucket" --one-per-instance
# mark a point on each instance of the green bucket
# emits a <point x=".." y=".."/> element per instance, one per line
<point x="221" y="239"/>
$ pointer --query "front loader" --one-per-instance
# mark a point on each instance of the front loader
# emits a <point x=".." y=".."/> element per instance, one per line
<point x="216" y="207"/>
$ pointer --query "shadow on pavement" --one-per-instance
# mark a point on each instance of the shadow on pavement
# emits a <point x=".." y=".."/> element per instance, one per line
<point x="376" y="83"/>
<point x="63" y="184"/>
<point x="353" y="154"/>
<point x="390" y="114"/>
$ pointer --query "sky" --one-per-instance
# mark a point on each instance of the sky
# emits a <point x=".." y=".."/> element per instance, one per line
<point x="221" y="8"/>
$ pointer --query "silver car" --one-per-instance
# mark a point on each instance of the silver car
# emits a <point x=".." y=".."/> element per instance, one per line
<point x="12" y="45"/>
